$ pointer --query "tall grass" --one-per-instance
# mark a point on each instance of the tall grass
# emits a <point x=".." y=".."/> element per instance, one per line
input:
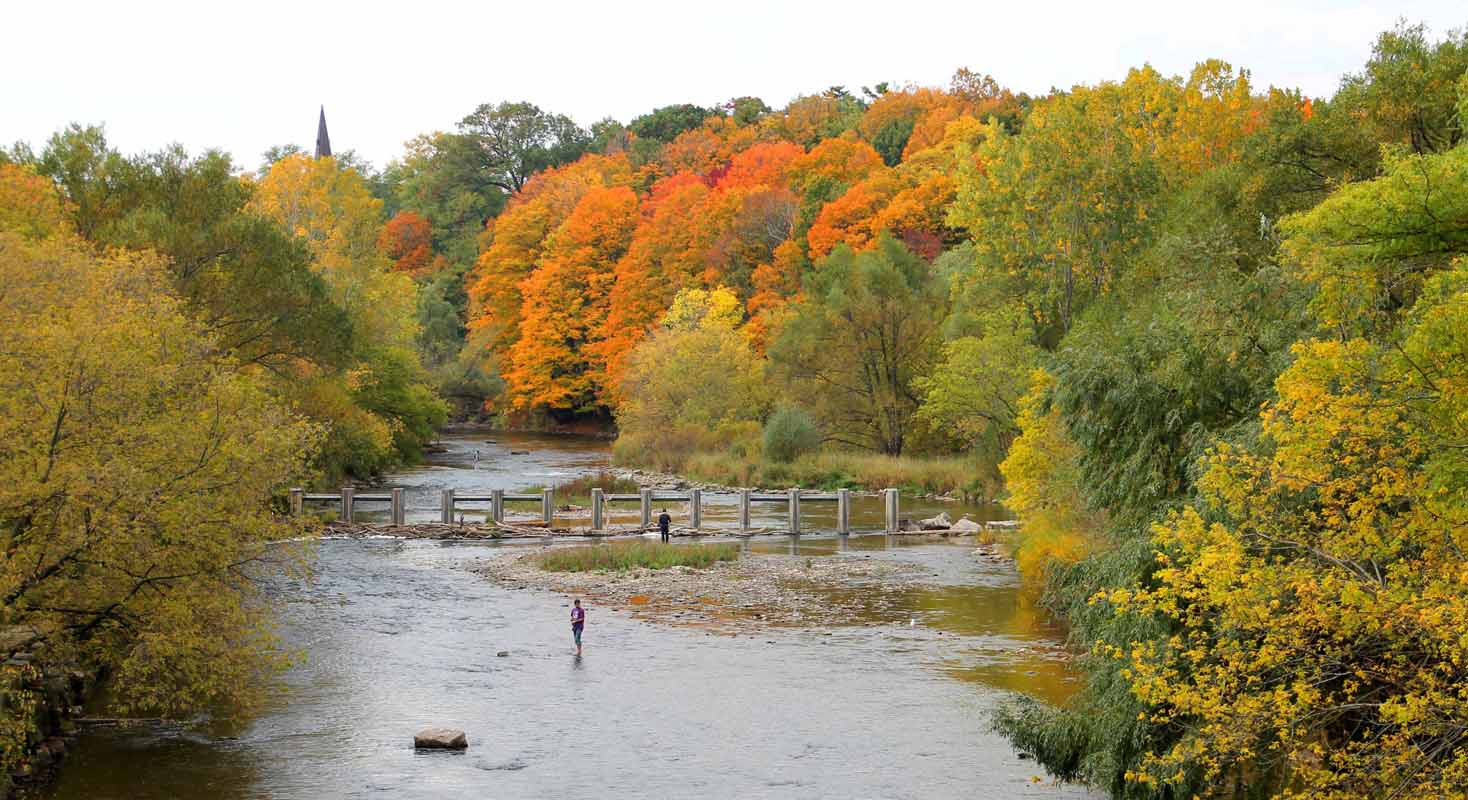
<point x="848" y="470"/>
<point x="578" y="491"/>
<point x="623" y="556"/>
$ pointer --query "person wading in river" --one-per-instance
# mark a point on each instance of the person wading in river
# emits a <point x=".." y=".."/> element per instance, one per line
<point x="664" y="521"/>
<point x="578" y="621"/>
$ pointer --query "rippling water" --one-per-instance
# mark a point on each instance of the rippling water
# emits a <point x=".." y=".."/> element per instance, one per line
<point x="400" y="636"/>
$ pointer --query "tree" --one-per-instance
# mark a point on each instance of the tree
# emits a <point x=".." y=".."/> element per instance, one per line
<point x="407" y="239"/>
<point x="516" y="241"/>
<point x="694" y="383"/>
<point x="666" y="123"/>
<point x="1042" y="472"/>
<point x="1409" y="93"/>
<point x="1317" y="592"/>
<point x="442" y="177"/>
<point x="891" y="140"/>
<point x="245" y="279"/>
<point x="747" y="110"/>
<point x="1370" y="246"/>
<point x="515" y="140"/>
<point x="552" y="363"/>
<point x="137" y="468"/>
<point x="330" y="210"/>
<point x="856" y="345"/>
<point x="811" y="119"/>
<point x="973" y="393"/>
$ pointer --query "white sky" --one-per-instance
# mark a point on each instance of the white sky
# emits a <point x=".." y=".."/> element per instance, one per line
<point x="249" y="75"/>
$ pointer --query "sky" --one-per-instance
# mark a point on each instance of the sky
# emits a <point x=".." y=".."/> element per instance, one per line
<point x="242" y="77"/>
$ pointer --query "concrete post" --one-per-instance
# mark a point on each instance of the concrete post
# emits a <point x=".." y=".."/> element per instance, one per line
<point x="843" y="511"/>
<point x="298" y="502"/>
<point x="548" y="505"/>
<point x="497" y="505"/>
<point x="695" y="508"/>
<point x="347" y="509"/>
<point x="794" y="503"/>
<point x="890" y="507"/>
<point x="743" y="510"/>
<point x="644" y="498"/>
<point x="399" y="514"/>
<point x="596" y="509"/>
<point x="446" y="506"/>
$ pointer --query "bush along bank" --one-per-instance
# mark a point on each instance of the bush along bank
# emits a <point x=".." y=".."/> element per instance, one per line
<point x="938" y="476"/>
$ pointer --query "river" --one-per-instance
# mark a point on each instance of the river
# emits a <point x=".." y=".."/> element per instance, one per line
<point x="399" y="635"/>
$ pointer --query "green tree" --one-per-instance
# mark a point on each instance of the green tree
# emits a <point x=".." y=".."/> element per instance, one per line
<point x="866" y="331"/>
<point x="892" y="139"/>
<point x="748" y="110"/>
<point x="1408" y="93"/>
<point x="664" y="124"/>
<point x="513" y="141"/>
<point x="973" y="392"/>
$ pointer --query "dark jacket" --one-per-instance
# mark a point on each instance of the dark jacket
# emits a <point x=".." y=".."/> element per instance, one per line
<point x="664" y="521"/>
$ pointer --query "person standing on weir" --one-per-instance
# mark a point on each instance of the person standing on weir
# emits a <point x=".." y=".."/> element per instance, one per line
<point x="664" y="522"/>
<point x="578" y="622"/>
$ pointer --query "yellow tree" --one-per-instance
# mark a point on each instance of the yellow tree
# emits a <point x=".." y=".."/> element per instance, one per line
<point x="1317" y="594"/>
<point x="137" y="467"/>
<point x="673" y="403"/>
<point x="331" y="208"/>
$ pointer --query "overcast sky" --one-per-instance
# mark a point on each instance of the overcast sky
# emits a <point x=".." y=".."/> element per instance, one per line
<point x="245" y="76"/>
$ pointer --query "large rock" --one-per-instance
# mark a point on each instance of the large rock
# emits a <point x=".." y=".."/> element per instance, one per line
<point x="966" y="525"/>
<point x="942" y="522"/>
<point x="441" y="738"/>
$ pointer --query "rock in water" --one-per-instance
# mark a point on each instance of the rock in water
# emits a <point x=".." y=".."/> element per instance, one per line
<point x="967" y="525"/>
<point x="441" y="738"/>
<point x="942" y="522"/>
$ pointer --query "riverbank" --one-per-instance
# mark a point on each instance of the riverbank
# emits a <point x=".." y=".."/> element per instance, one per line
<point x="41" y="699"/>
<point x="758" y="590"/>
<point x="949" y="478"/>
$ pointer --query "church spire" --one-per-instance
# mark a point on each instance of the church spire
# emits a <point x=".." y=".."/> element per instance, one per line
<point x="323" y="142"/>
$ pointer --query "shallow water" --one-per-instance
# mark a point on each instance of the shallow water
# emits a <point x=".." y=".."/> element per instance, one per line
<point x="399" y="635"/>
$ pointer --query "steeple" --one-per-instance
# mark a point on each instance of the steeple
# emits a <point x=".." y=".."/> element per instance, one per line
<point x="323" y="142"/>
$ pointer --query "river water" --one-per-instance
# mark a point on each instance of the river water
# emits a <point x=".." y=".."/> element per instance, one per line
<point x="399" y="635"/>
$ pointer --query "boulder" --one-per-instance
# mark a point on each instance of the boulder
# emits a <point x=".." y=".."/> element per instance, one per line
<point x="942" y="522"/>
<point x="966" y="525"/>
<point x="440" y="738"/>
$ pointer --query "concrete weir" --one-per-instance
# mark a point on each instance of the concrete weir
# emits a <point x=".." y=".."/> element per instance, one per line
<point x="348" y="499"/>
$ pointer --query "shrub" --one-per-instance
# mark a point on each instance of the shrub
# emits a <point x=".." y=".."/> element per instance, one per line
<point x="789" y="434"/>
